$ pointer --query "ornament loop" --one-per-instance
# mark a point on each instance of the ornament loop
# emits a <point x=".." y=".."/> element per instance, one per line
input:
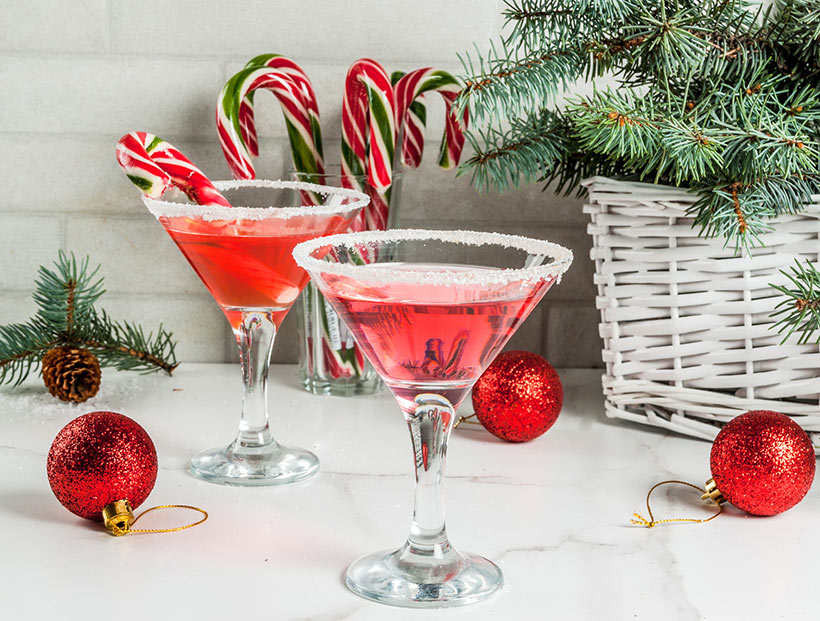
<point x="466" y="420"/>
<point x="639" y="520"/>
<point x="119" y="518"/>
<point x="169" y="530"/>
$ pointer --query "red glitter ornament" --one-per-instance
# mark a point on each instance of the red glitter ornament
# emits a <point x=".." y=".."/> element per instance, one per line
<point x="762" y="462"/>
<point x="518" y="397"/>
<point x="100" y="458"/>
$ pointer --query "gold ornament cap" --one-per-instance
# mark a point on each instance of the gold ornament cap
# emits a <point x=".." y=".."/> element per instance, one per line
<point x="118" y="517"/>
<point x="713" y="493"/>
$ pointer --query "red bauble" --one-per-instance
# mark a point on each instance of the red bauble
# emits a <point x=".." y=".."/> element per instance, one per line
<point x="763" y="462"/>
<point x="100" y="458"/>
<point x="518" y="397"/>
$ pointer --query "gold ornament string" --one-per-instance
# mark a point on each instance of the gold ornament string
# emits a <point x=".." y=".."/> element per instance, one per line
<point x="639" y="520"/>
<point x="466" y="419"/>
<point x="117" y="531"/>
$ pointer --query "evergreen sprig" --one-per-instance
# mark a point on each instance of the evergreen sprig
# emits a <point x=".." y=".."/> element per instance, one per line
<point x="799" y="311"/>
<point x="65" y="297"/>
<point x="532" y="146"/>
<point x="66" y="316"/>
<point x="720" y="96"/>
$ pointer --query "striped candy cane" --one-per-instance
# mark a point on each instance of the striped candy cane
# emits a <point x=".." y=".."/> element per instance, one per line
<point x="153" y="165"/>
<point x="341" y="359"/>
<point x="412" y="129"/>
<point x="408" y="89"/>
<point x="369" y="137"/>
<point x="368" y="143"/>
<point x="288" y="68"/>
<point x="306" y="155"/>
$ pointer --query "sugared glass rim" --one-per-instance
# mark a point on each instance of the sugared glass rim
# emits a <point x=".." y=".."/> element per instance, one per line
<point x="381" y="272"/>
<point x="171" y="209"/>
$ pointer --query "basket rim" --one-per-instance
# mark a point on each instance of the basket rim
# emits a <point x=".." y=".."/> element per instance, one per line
<point x="682" y="195"/>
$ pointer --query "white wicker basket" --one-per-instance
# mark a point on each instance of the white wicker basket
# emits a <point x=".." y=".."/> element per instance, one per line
<point x="686" y="322"/>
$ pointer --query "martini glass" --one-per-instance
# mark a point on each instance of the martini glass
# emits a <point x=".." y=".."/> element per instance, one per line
<point x="243" y="255"/>
<point x="430" y="309"/>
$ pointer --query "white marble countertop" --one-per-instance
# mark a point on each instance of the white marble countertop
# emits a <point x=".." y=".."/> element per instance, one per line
<point x="553" y="514"/>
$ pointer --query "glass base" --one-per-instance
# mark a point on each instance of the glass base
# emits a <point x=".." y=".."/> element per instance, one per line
<point x="273" y="464"/>
<point x="344" y="387"/>
<point x="402" y="578"/>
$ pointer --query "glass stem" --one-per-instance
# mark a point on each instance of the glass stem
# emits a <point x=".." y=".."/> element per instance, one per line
<point x="430" y="423"/>
<point x="255" y="339"/>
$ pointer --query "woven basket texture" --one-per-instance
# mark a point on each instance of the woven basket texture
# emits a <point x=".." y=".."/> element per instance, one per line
<point x="686" y="322"/>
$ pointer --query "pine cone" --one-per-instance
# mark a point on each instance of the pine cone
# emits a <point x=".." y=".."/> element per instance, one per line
<point x="71" y="373"/>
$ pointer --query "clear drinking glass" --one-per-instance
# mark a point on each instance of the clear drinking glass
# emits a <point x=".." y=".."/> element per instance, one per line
<point x="330" y="361"/>
<point x="430" y="309"/>
<point x="243" y="255"/>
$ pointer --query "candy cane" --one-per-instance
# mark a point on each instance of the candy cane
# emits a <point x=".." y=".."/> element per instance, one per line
<point x="339" y="362"/>
<point x="411" y="131"/>
<point x="368" y="144"/>
<point x="288" y="68"/>
<point x="153" y="165"/>
<point x="306" y="155"/>
<point x="407" y="90"/>
<point x="369" y="136"/>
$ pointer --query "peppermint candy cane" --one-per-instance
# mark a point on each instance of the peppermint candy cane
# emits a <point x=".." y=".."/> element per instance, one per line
<point x="306" y="154"/>
<point x="153" y="165"/>
<point x="369" y="136"/>
<point x="290" y="69"/>
<point x="411" y="132"/>
<point x="407" y="90"/>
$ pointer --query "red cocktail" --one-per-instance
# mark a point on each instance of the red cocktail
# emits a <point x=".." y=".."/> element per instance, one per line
<point x="431" y="309"/>
<point x="243" y="255"/>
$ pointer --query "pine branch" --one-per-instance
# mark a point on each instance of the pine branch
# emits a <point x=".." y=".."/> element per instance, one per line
<point x="526" y="152"/>
<point x="799" y="21"/>
<point x="126" y="347"/>
<point x="718" y="92"/>
<point x="504" y="84"/>
<point x="787" y="195"/>
<point x="617" y="125"/>
<point x="533" y="22"/>
<point x="739" y="211"/>
<point x="732" y="211"/>
<point x="688" y="152"/>
<point x="21" y="348"/>
<point x="66" y="316"/>
<point x="800" y="310"/>
<point x="670" y="44"/>
<point x="66" y="295"/>
<point x="754" y="151"/>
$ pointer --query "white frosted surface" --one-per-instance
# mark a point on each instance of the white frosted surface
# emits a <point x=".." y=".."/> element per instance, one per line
<point x="552" y="513"/>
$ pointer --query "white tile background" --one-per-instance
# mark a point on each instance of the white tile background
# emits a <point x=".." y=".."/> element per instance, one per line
<point x="75" y="76"/>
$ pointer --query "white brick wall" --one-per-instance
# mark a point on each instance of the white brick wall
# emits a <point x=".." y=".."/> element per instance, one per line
<point x="77" y="75"/>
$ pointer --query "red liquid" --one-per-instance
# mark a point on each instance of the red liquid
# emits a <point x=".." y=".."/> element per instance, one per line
<point x="445" y="338"/>
<point x="249" y="264"/>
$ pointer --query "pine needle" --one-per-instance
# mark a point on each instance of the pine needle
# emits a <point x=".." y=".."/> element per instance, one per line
<point x="66" y="315"/>
<point x="719" y="96"/>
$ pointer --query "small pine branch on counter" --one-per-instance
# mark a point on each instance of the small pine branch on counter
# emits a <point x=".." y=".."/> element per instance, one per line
<point x="125" y="346"/>
<point x="720" y="96"/>
<point x="22" y="346"/>
<point x="65" y="297"/>
<point x="66" y="323"/>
